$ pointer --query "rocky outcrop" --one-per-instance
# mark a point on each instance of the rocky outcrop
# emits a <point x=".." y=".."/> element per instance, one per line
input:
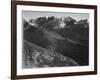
<point x="36" y="56"/>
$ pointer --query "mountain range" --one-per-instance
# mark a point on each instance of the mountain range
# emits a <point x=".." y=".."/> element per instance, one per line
<point x="71" y="41"/>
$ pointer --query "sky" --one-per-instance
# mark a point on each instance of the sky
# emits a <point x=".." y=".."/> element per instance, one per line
<point x="27" y="15"/>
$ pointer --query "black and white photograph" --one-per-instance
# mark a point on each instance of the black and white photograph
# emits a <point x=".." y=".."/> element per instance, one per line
<point x="55" y="39"/>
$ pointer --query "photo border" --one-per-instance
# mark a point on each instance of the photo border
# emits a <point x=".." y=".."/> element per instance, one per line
<point x="14" y="39"/>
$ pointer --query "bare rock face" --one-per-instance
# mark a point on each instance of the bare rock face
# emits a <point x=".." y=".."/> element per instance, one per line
<point x="36" y="56"/>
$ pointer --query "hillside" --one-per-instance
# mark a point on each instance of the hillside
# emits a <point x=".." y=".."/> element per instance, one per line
<point x="36" y="56"/>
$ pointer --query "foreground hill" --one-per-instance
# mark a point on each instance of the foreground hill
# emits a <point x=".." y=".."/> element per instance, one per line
<point x="36" y="56"/>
